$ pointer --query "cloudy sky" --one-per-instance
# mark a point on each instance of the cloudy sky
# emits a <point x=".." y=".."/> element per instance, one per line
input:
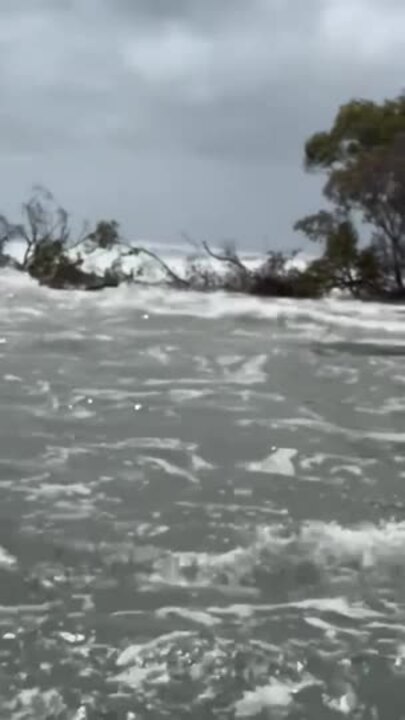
<point x="191" y="115"/>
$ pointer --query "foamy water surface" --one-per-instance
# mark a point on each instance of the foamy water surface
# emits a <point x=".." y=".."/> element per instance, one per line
<point x="202" y="506"/>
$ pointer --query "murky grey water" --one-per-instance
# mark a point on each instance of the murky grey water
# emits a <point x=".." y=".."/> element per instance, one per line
<point x="202" y="507"/>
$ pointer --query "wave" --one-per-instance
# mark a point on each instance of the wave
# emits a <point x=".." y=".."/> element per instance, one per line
<point x="309" y="555"/>
<point x="328" y="313"/>
<point x="332" y="323"/>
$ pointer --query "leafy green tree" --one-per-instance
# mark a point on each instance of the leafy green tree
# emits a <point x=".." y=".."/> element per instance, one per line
<point x="363" y="156"/>
<point x="105" y="236"/>
<point x="51" y="253"/>
<point x="55" y="257"/>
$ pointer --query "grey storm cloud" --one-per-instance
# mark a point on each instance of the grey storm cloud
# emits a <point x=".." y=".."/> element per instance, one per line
<point x="185" y="113"/>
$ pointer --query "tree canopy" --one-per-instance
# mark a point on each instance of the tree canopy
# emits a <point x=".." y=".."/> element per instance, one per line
<point x="363" y="158"/>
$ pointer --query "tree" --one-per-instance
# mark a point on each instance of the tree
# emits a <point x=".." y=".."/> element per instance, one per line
<point x="105" y="236"/>
<point x="343" y="265"/>
<point x="54" y="257"/>
<point x="50" y="252"/>
<point x="363" y="156"/>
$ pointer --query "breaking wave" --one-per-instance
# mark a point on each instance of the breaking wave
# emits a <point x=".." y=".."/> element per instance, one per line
<point x="315" y="554"/>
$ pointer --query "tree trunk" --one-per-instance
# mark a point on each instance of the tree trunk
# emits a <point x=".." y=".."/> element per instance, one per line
<point x="396" y="257"/>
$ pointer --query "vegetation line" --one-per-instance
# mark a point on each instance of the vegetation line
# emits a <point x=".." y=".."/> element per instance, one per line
<point x="362" y="231"/>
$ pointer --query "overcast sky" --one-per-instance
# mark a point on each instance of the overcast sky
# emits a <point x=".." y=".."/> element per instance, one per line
<point x="176" y="115"/>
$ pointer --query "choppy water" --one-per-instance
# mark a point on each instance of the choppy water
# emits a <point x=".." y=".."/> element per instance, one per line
<point x="202" y="507"/>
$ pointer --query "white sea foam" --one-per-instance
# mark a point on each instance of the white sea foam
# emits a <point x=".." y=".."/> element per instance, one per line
<point x="330" y="547"/>
<point x="249" y="373"/>
<point x="277" y="694"/>
<point x="279" y="462"/>
<point x="330" y="428"/>
<point x="135" y="672"/>
<point x="336" y="605"/>
<point x="51" y="490"/>
<point x="135" y="676"/>
<point x="199" y="617"/>
<point x="133" y="652"/>
<point x="328" y="316"/>
<point x="179" y="395"/>
<point x="7" y="561"/>
<point x="167" y="467"/>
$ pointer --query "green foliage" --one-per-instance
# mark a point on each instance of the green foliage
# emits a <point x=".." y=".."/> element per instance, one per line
<point x="320" y="151"/>
<point x="318" y="227"/>
<point x="54" y="258"/>
<point x="51" y="255"/>
<point x="45" y="258"/>
<point x="359" y="126"/>
<point x="370" y="276"/>
<point x="363" y="155"/>
<point x="105" y="236"/>
<point x="342" y="245"/>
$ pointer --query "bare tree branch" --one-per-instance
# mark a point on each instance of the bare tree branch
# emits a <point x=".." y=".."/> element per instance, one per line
<point x="231" y="259"/>
<point x="133" y="250"/>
